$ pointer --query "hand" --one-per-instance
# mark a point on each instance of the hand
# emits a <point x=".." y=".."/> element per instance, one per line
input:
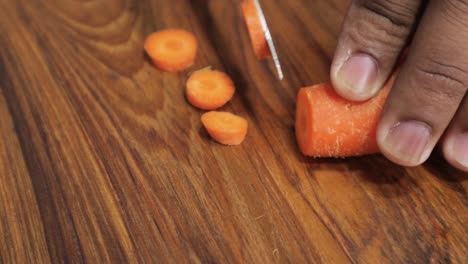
<point x="429" y="101"/>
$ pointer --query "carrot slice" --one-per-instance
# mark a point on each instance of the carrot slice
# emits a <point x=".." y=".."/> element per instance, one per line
<point x="172" y="49"/>
<point x="329" y="126"/>
<point x="225" y="128"/>
<point x="254" y="27"/>
<point x="209" y="90"/>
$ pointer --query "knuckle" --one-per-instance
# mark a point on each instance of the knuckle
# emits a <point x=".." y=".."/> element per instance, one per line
<point x="441" y="82"/>
<point x="375" y="35"/>
<point x="456" y="75"/>
<point x="376" y="38"/>
<point x="456" y="11"/>
<point x="399" y="13"/>
<point x="383" y="24"/>
<point x="457" y="4"/>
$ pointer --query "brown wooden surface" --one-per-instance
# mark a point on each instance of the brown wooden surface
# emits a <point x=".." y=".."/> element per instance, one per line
<point x="103" y="161"/>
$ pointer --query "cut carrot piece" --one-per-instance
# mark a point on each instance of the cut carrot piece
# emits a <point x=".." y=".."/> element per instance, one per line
<point x="172" y="49"/>
<point x="209" y="90"/>
<point x="329" y="126"/>
<point x="224" y="127"/>
<point x="254" y="27"/>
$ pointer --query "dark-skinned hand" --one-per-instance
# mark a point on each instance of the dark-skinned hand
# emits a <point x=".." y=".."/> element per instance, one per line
<point x="428" y="103"/>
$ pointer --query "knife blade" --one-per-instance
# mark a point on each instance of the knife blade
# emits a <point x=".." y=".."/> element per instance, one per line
<point x="269" y="39"/>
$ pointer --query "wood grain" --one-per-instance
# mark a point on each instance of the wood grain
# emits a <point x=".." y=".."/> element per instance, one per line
<point x="103" y="161"/>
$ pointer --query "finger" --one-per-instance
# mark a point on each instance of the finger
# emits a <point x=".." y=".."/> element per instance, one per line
<point x="455" y="145"/>
<point x="430" y="87"/>
<point x="373" y="35"/>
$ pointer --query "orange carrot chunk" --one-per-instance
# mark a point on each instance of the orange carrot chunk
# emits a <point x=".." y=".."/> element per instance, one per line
<point x="329" y="126"/>
<point x="254" y="27"/>
<point x="171" y="50"/>
<point x="224" y="127"/>
<point x="209" y="90"/>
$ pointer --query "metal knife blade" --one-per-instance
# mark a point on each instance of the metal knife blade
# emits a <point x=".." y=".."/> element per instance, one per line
<point x="269" y="39"/>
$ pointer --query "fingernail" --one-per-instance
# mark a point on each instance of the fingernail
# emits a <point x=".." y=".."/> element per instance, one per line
<point x="408" y="140"/>
<point x="358" y="74"/>
<point x="460" y="149"/>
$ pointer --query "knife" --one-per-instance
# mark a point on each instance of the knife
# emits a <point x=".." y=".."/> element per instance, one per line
<point x="269" y="39"/>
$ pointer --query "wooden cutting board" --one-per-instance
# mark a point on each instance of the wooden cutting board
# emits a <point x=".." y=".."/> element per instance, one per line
<point x="103" y="161"/>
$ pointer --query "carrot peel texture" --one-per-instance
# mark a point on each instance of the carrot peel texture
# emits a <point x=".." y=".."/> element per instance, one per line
<point x="329" y="126"/>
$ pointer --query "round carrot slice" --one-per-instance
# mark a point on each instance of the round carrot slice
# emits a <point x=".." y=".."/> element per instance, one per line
<point x="172" y="49"/>
<point x="225" y="128"/>
<point x="254" y="27"/>
<point x="209" y="90"/>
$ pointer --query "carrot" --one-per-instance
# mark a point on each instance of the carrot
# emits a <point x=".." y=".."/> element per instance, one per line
<point x="254" y="27"/>
<point x="209" y="90"/>
<point x="172" y="49"/>
<point x="329" y="126"/>
<point x="224" y="127"/>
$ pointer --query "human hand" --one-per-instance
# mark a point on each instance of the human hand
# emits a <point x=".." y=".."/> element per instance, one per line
<point x="429" y="102"/>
